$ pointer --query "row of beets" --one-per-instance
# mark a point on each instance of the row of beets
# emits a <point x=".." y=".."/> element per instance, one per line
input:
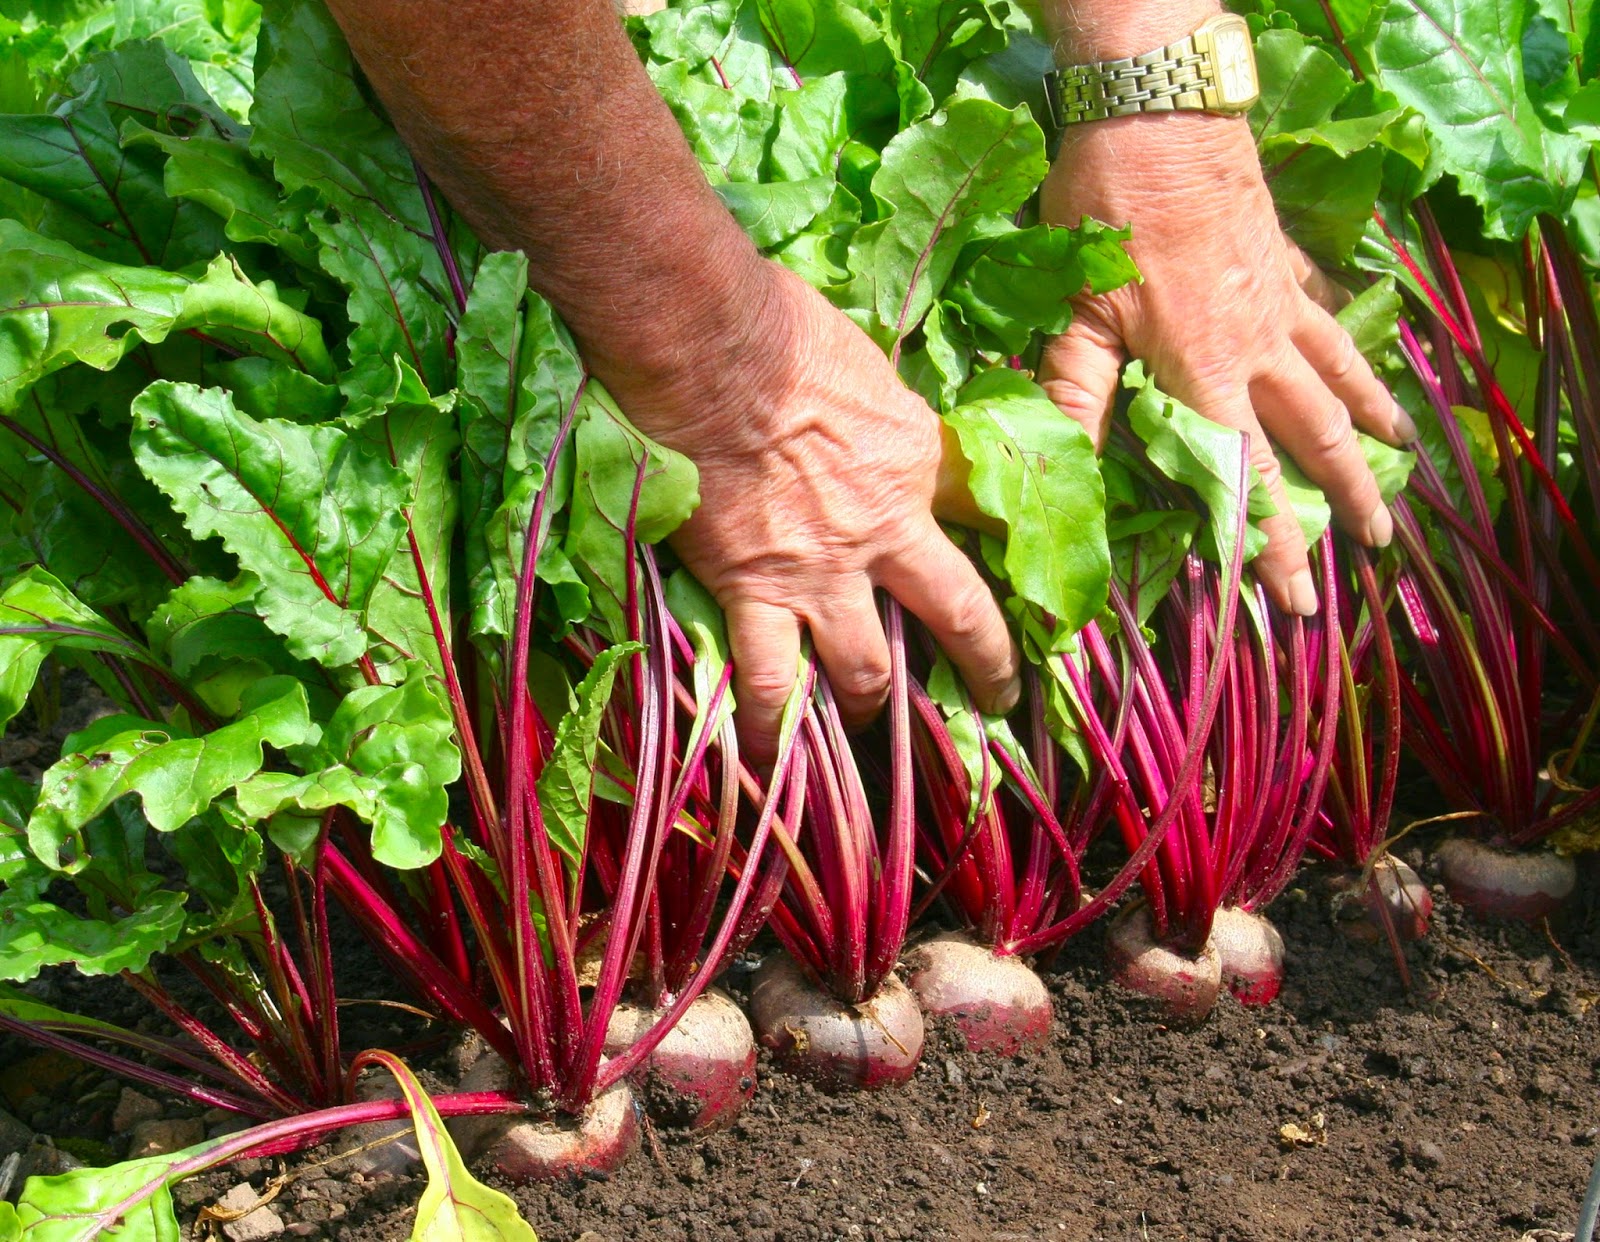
<point x="1226" y="743"/>
<point x="1223" y="742"/>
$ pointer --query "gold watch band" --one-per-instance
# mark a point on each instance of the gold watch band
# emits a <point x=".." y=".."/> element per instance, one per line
<point x="1183" y="75"/>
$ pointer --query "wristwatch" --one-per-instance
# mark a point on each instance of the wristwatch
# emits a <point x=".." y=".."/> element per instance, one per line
<point x="1211" y="70"/>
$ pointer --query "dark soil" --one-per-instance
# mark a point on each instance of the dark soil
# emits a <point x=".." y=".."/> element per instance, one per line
<point x="1350" y="1108"/>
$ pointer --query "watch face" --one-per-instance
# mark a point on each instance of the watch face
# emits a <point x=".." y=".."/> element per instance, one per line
<point x="1236" y="66"/>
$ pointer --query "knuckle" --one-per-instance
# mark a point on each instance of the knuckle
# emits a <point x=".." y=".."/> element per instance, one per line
<point x="863" y="680"/>
<point x="766" y="685"/>
<point x="970" y="618"/>
<point x="1346" y="361"/>
<point x="1333" y="432"/>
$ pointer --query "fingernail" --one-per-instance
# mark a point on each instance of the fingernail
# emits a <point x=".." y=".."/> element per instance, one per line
<point x="1302" y="594"/>
<point x="1009" y="697"/>
<point x="1405" y="429"/>
<point x="1380" y="528"/>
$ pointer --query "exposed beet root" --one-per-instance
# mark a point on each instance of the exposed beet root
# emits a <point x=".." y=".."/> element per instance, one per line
<point x="1506" y="884"/>
<point x="839" y="1047"/>
<point x="1394" y="896"/>
<point x="703" y="1072"/>
<point x="1251" y="955"/>
<point x="1186" y="987"/>
<point x="526" y="1150"/>
<point x="997" y="1003"/>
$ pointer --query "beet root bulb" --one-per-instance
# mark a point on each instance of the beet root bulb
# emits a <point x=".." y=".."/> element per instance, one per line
<point x="702" y="1073"/>
<point x="1493" y="882"/>
<point x="1366" y="906"/>
<point x="1250" y="952"/>
<point x="837" y="1046"/>
<point x="524" y="1150"/>
<point x="1185" y="986"/>
<point x="997" y="1003"/>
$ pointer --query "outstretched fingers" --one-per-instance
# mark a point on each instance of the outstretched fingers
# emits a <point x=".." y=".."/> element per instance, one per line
<point x="1331" y="352"/>
<point x="1314" y="428"/>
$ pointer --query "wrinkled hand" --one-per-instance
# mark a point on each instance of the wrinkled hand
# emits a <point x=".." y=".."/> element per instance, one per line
<point x="1221" y="319"/>
<point x="817" y="471"/>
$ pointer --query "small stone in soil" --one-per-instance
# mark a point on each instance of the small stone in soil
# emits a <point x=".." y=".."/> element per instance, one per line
<point x="14" y="1136"/>
<point x="258" y="1225"/>
<point x="162" y="1138"/>
<point x="1425" y="1154"/>
<point x="132" y="1108"/>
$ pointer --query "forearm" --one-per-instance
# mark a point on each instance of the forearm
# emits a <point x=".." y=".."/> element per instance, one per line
<point x="542" y="128"/>
<point x="1084" y="30"/>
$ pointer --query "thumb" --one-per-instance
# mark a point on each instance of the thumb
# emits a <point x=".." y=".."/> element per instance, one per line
<point x="1079" y="372"/>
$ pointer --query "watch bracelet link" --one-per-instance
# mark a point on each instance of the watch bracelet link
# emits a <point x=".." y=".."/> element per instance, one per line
<point x="1179" y="75"/>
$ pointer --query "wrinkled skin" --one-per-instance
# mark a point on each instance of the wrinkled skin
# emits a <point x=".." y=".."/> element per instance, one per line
<point x="817" y="487"/>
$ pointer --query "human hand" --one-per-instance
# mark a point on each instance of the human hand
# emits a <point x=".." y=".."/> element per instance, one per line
<point x="817" y="474"/>
<point x="1221" y="319"/>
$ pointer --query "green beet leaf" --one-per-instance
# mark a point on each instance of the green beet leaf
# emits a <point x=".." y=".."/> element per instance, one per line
<point x="938" y="178"/>
<point x="388" y="753"/>
<point x="310" y="120"/>
<point x="311" y="513"/>
<point x="1199" y="454"/>
<point x="567" y="781"/>
<point x="519" y="374"/>
<point x="420" y="441"/>
<point x="105" y="199"/>
<point x="128" y="1202"/>
<point x="59" y="306"/>
<point x="1016" y="282"/>
<point x="455" y="1206"/>
<point x="393" y="278"/>
<point x="175" y="776"/>
<point x="1460" y="64"/>
<point x="613" y="460"/>
<point x="1036" y="471"/>
<point x="120" y="918"/>
<point x="37" y="615"/>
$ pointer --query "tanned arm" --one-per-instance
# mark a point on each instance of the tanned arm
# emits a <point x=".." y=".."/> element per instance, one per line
<point x="817" y="465"/>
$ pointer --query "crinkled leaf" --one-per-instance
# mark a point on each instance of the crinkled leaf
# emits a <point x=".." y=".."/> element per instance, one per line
<point x="1459" y="63"/>
<point x="774" y="212"/>
<point x="314" y="515"/>
<point x="311" y="121"/>
<point x="212" y="165"/>
<point x="175" y="776"/>
<point x="105" y="199"/>
<point x="520" y="373"/>
<point x="1199" y="454"/>
<point x="938" y="40"/>
<point x="420" y="441"/>
<point x="1020" y="281"/>
<point x="59" y="306"/>
<point x="211" y="636"/>
<point x="394" y="279"/>
<point x="388" y="753"/>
